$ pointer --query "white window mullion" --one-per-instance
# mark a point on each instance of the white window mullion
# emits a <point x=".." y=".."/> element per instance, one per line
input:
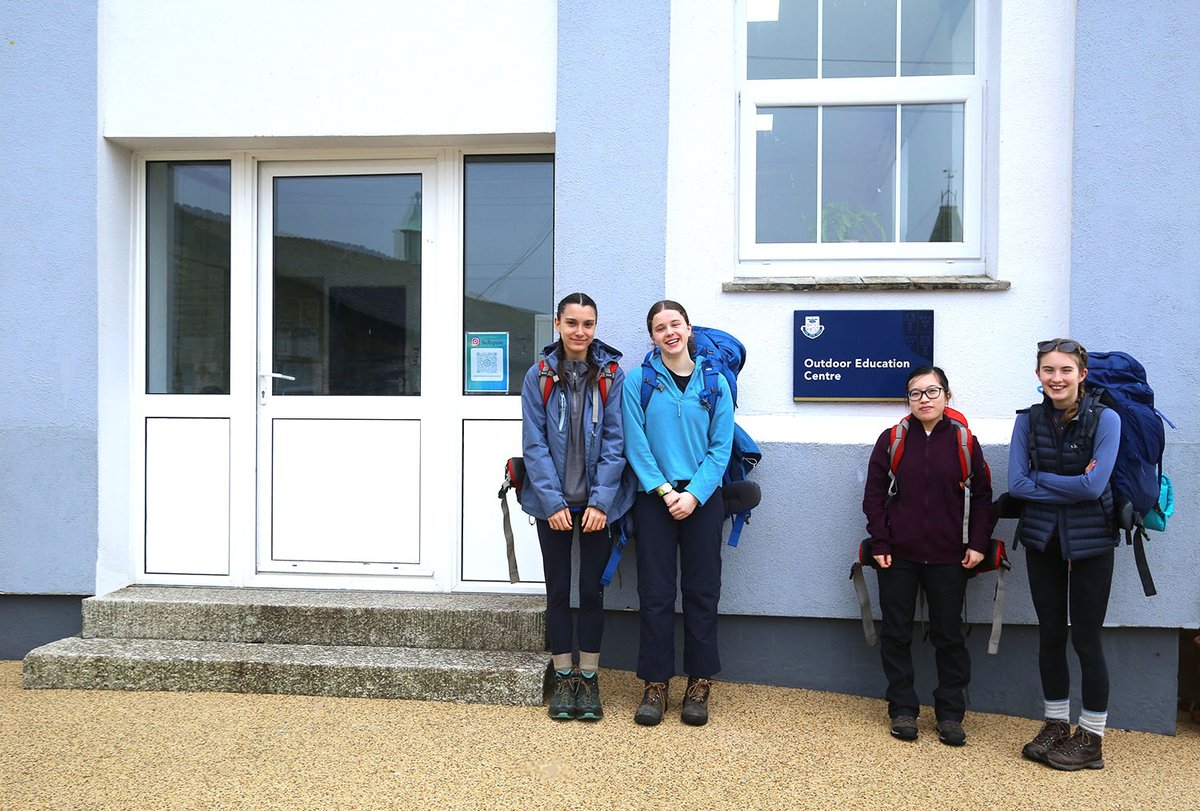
<point x="820" y="175"/>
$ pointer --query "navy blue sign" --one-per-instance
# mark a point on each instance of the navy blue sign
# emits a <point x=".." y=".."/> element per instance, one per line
<point x="858" y="354"/>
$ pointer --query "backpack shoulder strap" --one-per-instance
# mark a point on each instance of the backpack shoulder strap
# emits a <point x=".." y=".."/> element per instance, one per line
<point x="649" y="380"/>
<point x="549" y="379"/>
<point x="607" y="374"/>
<point x="712" y="388"/>
<point x="895" y="451"/>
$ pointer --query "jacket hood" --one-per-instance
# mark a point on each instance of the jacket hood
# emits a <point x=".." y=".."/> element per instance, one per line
<point x="602" y="352"/>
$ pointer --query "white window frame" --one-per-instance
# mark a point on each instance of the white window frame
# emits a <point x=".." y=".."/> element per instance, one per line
<point x="863" y="258"/>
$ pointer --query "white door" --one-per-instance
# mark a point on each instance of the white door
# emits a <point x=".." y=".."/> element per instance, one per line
<point x="345" y="414"/>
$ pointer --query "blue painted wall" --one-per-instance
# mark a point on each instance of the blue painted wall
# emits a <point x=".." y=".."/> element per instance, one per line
<point x="611" y="162"/>
<point x="1135" y="244"/>
<point x="48" y="322"/>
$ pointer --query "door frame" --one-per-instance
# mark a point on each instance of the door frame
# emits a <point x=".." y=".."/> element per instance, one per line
<point x="442" y="282"/>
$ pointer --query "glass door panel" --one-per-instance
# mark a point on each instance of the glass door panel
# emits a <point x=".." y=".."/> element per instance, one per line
<point x="347" y="285"/>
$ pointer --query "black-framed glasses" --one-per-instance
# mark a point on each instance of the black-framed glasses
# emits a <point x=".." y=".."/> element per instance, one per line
<point x="1061" y="345"/>
<point x="933" y="392"/>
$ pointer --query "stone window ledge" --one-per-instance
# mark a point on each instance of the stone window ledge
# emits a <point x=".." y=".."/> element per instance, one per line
<point x="846" y="284"/>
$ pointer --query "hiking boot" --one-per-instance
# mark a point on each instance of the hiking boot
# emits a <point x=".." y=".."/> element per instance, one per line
<point x="587" y="698"/>
<point x="695" y="702"/>
<point x="1053" y="732"/>
<point x="904" y="727"/>
<point x="1080" y="751"/>
<point x="654" y="703"/>
<point x="562" y="698"/>
<point x="951" y="733"/>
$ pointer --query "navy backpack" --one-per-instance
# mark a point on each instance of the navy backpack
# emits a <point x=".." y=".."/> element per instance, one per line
<point x="1137" y="479"/>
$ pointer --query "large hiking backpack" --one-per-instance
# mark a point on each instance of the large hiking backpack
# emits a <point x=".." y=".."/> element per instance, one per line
<point x="724" y="355"/>
<point x="514" y="467"/>
<point x="1140" y="488"/>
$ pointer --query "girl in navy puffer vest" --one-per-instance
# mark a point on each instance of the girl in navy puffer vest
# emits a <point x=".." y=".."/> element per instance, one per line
<point x="1060" y="462"/>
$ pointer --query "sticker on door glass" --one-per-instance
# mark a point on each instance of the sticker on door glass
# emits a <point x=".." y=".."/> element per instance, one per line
<point x="487" y="361"/>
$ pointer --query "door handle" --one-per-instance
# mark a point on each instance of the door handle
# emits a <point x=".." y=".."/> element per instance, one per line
<point x="264" y="379"/>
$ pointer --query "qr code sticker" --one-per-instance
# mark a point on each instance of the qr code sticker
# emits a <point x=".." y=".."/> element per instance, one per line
<point x="486" y="364"/>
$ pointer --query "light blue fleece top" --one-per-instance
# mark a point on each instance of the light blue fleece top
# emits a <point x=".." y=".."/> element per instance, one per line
<point x="675" y="438"/>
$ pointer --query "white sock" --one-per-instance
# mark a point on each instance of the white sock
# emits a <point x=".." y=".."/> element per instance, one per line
<point x="589" y="662"/>
<point x="562" y="662"/>
<point x="1059" y="710"/>
<point x="1094" y="722"/>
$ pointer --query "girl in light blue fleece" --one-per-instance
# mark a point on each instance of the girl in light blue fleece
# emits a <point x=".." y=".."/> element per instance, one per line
<point x="678" y="446"/>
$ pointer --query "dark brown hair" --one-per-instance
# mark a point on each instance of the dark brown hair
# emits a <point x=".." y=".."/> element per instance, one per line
<point x="667" y="304"/>
<point x="1080" y="354"/>
<point x="583" y="300"/>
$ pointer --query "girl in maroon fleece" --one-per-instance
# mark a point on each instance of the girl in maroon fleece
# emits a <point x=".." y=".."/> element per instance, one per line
<point x="917" y="539"/>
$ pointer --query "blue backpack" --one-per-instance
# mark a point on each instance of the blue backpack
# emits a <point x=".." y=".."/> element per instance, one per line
<point x="724" y="355"/>
<point x="1143" y="493"/>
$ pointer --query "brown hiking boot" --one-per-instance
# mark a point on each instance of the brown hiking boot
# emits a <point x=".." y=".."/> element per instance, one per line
<point x="1080" y="751"/>
<point x="695" y="702"/>
<point x="654" y="703"/>
<point x="1053" y="732"/>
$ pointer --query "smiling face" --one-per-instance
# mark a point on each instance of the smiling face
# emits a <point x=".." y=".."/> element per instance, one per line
<point x="1060" y="374"/>
<point x="927" y="409"/>
<point x="670" y="332"/>
<point x="576" y="326"/>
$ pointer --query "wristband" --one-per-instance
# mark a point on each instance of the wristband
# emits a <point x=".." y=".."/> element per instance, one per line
<point x="663" y="489"/>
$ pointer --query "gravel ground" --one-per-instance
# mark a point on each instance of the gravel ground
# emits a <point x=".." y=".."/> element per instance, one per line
<point x="765" y="747"/>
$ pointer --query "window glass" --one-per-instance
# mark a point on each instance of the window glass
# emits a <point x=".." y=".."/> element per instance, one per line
<point x="508" y="253"/>
<point x="937" y="37"/>
<point x="858" y="174"/>
<point x="187" y="277"/>
<point x="931" y="141"/>
<point x="782" y="43"/>
<point x="859" y="38"/>
<point x="347" y="285"/>
<point x="786" y="184"/>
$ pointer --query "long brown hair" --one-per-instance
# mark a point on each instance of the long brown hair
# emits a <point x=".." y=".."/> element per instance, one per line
<point x="666" y="304"/>
<point x="1080" y="354"/>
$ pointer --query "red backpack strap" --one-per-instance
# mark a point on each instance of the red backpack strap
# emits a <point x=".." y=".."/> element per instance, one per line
<point x="551" y="378"/>
<point x="895" y="451"/>
<point x="609" y="372"/>
<point x="959" y="423"/>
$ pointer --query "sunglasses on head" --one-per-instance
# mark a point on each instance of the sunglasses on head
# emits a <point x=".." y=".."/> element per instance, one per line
<point x="1061" y="345"/>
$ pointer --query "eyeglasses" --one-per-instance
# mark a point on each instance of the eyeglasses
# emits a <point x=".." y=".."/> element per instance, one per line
<point x="933" y="392"/>
<point x="1061" y="345"/>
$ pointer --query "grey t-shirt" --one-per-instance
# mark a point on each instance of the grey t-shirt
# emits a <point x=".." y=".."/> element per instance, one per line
<point x="575" y="485"/>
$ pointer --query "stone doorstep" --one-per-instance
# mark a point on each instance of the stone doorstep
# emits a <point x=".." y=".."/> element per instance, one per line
<point x="481" y="677"/>
<point x="328" y="618"/>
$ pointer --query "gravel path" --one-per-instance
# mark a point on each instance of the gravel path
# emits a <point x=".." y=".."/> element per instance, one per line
<point x="766" y="747"/>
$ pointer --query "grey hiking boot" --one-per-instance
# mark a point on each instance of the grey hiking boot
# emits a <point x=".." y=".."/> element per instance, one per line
<point x="951" y="733"/>
<point x="654" y="703"/>
<point x="904" y="727"/>
<point x="587" y="698"/>
<point x="1052" y="733"/>
<point x="695" y="702"/>
<point x="1080" y="751"/>
<point x="562" y="697"/>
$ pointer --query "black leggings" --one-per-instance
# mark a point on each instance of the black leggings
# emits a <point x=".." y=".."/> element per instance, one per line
<point x="594" y="548"/>
<point x="1083" y="587"/>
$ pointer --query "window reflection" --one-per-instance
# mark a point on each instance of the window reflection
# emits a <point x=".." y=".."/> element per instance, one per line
<point x="858" y="174"/>
<point x="347" y="285"/>
<point x="187" y="277"/>
<point x="508" y="253"/>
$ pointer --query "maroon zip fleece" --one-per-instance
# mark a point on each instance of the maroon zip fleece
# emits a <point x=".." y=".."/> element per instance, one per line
<point x="924" y="522"/>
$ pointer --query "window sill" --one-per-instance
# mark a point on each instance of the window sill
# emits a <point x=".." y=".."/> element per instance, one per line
<point x="847" y="284"/>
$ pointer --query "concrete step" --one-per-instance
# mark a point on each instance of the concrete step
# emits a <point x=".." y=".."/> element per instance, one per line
<point x="486" y="677"/>
<point x="327" y="618"/>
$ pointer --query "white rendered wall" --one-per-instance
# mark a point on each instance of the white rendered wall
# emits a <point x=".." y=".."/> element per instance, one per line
<point x="287" y="68"/>
<point x="985" y="340"/>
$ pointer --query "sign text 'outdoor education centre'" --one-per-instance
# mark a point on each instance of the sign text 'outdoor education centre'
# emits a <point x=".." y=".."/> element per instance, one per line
<point x="858" y="354"/>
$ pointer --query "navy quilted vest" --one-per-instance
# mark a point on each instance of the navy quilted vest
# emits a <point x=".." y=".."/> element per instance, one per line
<point x="1084" y="529"/>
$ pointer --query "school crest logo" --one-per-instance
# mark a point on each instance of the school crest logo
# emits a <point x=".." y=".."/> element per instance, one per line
<point x="812" y="326"/>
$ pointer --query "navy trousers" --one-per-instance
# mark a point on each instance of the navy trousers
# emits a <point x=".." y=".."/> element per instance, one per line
<point x="594" y="548"/>
<point x="696" y="543"/>
<point x="945" y="586"/>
